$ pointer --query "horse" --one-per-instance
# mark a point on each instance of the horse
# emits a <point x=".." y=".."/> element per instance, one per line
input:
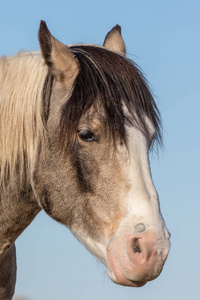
<point x="77" y="124"/>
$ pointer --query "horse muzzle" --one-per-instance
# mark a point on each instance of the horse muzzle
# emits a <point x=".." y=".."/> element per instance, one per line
<point x="135" y="259"/>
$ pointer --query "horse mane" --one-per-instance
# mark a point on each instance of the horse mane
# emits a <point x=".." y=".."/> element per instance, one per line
<point x="106" y="79"/>
<point x="21" y="127"/>
<point x="111" y="81"/>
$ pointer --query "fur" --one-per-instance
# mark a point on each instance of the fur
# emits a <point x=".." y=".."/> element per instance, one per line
<point x="21" y="127"/>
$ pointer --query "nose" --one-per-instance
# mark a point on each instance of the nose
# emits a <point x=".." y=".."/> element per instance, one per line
<point x="133" y="260"/>
<point x="146" y="255"/>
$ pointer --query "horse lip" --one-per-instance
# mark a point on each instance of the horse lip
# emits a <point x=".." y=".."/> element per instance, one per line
<point x="117" y="275"/>
<point x="137" y="283"/>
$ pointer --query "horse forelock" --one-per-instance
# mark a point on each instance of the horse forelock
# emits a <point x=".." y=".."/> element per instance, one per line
<point x="105" y="79"/>
<point x="21" y="127"/>
<point x="111" y="81"/>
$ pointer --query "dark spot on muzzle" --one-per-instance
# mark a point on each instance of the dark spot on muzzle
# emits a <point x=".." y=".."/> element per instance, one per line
<point x="139" y="228"/>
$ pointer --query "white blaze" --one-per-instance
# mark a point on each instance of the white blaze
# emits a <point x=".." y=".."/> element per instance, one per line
<point x="142" y="200"/>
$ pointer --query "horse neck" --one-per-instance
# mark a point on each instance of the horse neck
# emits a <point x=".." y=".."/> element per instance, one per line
<point x="21" y="127"/>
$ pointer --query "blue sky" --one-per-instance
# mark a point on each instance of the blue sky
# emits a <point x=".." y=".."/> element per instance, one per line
<point x="163" y="38"/>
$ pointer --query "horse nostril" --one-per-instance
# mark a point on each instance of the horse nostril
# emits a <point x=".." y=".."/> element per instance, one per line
<point x="139" y="228"/>
<point x="136" y="246"/>
<point x="137" y="249"/>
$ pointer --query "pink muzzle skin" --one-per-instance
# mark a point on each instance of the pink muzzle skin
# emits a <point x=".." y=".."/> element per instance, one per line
<point x="136" y="259"/>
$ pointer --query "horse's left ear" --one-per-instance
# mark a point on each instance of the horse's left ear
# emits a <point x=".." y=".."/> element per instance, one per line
<point x="114" y="40"/>
<point x="61" y="62"/>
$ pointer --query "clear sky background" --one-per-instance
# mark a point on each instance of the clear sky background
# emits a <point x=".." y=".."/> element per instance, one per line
<point x="163" y="38"/>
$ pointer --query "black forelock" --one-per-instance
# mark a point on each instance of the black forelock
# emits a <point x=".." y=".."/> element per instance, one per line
<point x="112" y="81"/>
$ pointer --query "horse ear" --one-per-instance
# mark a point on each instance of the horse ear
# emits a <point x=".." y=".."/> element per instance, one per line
<point x="61" y="62"/>
<point x="114" y="40"/>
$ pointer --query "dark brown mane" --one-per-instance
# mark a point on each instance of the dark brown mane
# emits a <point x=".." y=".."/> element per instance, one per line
<point x="112" y="81"/>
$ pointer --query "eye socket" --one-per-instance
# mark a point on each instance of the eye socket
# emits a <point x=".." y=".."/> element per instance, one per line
<point x="87" y="135"/>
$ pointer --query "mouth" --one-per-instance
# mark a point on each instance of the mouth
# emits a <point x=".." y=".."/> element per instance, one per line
<point x="116" y="274"/>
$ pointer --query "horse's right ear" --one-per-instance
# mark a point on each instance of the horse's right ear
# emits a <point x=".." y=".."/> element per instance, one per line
<point x="60" y="61"/>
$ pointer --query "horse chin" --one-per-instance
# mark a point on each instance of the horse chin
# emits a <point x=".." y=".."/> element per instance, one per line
<point x="119" y="278"/>
<point x="116" y="275"/>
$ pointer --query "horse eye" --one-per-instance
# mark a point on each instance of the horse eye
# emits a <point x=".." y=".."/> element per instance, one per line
<point x="87" y="135"/>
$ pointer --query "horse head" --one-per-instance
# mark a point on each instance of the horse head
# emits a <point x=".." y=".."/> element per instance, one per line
<point x="92" y="170"/>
